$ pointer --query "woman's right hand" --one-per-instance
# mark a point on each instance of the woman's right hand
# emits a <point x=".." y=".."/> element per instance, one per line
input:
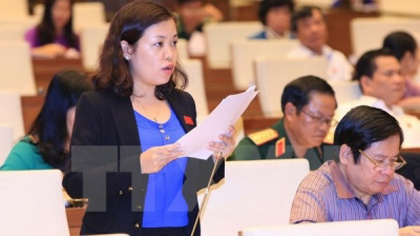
<point x="50" y="50"/>
<point x="155" y="158"/>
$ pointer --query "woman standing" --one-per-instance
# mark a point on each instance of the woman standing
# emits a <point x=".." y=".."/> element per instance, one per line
<point x="124" y="153"/>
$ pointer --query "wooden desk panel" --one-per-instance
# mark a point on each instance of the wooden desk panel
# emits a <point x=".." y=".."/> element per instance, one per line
<point x="31" y="106"/>
<point x="45" y="69"/>
<point x="74" y="219"/>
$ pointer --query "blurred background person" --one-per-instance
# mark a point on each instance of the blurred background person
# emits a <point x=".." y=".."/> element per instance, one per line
<point x="276" y="16"/>
<point x="405" y="48"/>
<point x="47" y="143"/>
<point x="192" y="15"/>
<point x="54" y="35"/>
<point x="310" y="28"/>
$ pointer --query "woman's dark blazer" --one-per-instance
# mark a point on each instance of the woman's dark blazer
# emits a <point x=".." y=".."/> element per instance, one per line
<point x="104" y="165"/>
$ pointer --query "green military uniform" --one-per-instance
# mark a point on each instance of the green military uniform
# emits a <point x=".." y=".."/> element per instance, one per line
<point x="273" y="143"/>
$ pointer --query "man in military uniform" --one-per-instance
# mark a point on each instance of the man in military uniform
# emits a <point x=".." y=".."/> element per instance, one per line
<point x="308" y="104"/>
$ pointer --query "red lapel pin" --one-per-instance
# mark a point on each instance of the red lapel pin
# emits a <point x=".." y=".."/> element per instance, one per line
<point x="188" y="120"/>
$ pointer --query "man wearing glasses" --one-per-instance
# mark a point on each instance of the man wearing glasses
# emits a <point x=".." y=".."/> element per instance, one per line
<point x="361" y="183"/>
<point x="308" y="104"/>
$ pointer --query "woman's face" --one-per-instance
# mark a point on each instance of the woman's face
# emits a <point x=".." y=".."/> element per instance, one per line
<point x="153" y="58"/>
<point x="61" y="12"/>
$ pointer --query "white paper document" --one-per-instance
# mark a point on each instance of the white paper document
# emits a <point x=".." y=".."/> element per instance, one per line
<point x="195" y="142"/>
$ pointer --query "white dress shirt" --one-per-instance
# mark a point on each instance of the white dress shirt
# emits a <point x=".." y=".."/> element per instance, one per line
<point x="409" y="124"/>
<point x="339" y="68"/>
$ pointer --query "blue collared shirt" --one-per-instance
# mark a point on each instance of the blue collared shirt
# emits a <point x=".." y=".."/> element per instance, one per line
<point x="165" y="205"/>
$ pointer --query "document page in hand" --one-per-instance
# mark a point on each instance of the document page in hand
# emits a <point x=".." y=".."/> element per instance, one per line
<point x="194" y="143"/>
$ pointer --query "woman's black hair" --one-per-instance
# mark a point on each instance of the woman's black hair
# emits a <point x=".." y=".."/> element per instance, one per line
<point x="400" y="42"/>
<point x="49" y="129"/>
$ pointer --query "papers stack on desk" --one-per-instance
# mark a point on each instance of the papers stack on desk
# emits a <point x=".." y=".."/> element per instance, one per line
<point x="225" y="114"/>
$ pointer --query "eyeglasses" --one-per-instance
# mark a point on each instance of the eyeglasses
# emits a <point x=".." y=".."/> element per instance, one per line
<point x="320" y="120"/>
<point x="380" y="166"/>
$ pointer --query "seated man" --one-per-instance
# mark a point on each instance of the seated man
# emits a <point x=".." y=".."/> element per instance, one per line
<point x="275" y="15"/>
<point x="378" y="73"/>
<point x="308" y="104"/>
<point x="192" y="15"/>
<point x="310" y="28"/>
<point x="361" y="183"/>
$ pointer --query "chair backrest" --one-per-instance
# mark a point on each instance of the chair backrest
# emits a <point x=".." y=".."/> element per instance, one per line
<point x="196" y="86"/>
<point x="253" y="193"/>
<point x="11" y="112"/>
<point x="274" y="74"/>
<point x="182" y="48"/>
<point x="16" y="71"/>
<point x="91" y="41"/>
<point x="401" y="7"/>
<point x="86" y="14"/>
<point x="369" y="33"/>
<point x="12" y="33"/>
<point x="32" y="203"/>
<point x="240" y="130"/>
<point x="385" y="227"/>
<point x="218" y="37"/>
<point x="13" y="9"/>
<point x="244" y="53"/>
<point x="6" y="141"/>
<point x="319" y="3"/>
<point x="346" y="91"/>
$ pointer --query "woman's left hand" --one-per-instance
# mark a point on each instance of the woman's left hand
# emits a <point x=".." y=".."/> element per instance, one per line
<point x="223" y="149"/>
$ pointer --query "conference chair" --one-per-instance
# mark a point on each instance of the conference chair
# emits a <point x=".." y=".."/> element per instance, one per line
<point x="346" y="91"/>
<point x="273" y="74"/>
<point x="32" y="203"/>
<point x="385" y="227"/>
<point x="13" y="9"/>
<point x="182" y="49"/>
<point x="402" y="7"/>
<point x="16" y="71"/>
<point x="86" y="14"/>
<point x="240" y="130"/>
<point x="253" y="193"/>
<point x="91" y="41"/>
<point x="369" y="33"/>
<point x="218" y="35"/>
<point x="12" y="32"/>
<point x="11" y="112"/>
<point x="6" y="141"/>
<point x="196" y="86"/>
<point x="323" y="4"/>
<point x="245" y="51"/>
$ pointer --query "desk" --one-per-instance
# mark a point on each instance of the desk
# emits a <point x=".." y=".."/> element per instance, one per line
<point x="74" y="219"/>
<point x="31" y="106"/>
<point x="45" y="69"/>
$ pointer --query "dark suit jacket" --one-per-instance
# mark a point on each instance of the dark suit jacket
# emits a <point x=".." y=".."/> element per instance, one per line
<point x="104" y="164"/>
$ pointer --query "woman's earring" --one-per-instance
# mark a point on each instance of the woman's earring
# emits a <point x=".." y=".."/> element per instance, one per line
<point x="127" y="57"/>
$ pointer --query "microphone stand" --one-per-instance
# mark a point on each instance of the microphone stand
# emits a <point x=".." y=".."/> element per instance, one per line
<point x="206" y="194"/>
